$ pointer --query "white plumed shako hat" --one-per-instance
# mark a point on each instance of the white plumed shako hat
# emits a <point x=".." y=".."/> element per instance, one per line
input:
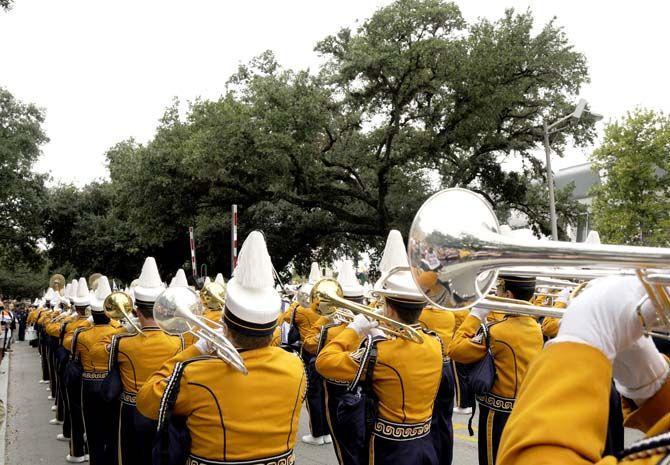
<point x="252" y="304"/>
<point x="399" y="285"/>
<point x="149" y="284"/>
<point x="83" y="297"/>
<point x="351" y="287"/>
<point x="314" y="277"/>
<point x="179" y="279"/>
<point x="101" y="293"/>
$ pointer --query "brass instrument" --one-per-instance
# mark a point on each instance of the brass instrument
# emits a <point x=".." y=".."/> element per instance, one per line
<point x="57" y="282"/>
<point x="178" y="310"/>
<point x="119" y="306"/>
<point x="327" y="297"/>
<point x="213" y="295"/>
<point x="463" y="227"/>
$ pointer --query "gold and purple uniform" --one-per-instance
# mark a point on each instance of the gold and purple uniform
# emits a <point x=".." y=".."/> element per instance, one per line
<point x="137" y="356"/>
<point x="221" y="405"/>
<point x="98" y="415"/>
<point x="348" y="439"/>
<point x="443" y="323"/>
<point x="405" y="381"/>
<point x="514" y="341"/>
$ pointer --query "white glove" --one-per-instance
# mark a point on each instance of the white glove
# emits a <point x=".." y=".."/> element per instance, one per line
<point x="362" y="325"/>
<point x="480" y="313"/>
<point x="603" y="315"/>
<point x="564" y="295"/>
<point x="640" y="371"/>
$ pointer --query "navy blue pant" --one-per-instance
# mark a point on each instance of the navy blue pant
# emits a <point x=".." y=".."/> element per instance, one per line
<point x="99" y="423"/>
<point x="347" y="428"/>
<point x="464" y="396"/>
<point x="442" y="428"/>
<point x="420" y="451"/>
<point x="136" y="436"/>
<point x="315" y="403"/>
<point x="491" y="425"/>
<point x="76" y="420"/>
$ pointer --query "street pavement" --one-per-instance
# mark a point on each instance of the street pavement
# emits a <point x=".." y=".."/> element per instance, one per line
<point x="31" y="439"/>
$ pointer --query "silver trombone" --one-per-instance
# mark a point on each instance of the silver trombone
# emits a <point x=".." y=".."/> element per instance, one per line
<point x="178" y="310"/>
<point x="463" y="227"/>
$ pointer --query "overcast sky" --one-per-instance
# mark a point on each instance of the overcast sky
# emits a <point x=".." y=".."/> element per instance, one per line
<point x="105" y="71"/>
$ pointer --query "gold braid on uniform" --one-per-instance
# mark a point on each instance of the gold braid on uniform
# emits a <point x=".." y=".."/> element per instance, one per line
<point x="648" y="447"/>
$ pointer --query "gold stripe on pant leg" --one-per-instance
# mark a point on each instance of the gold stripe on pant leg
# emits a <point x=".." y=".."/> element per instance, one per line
<point x="489" y="437"/>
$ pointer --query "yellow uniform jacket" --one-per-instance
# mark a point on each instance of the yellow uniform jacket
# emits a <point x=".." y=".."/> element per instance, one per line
<point x="32" y="317"/>
<point x="406" y="375"/>
<point x="544" y="429"/>
<point x="304" y="318"/>
<point x="52" y="327"/>
<point x="86" y="347"/>
<point x="442" y="322"/>
<point x="323" y="327"/>
<point x="550" y="325"/>
<point x="44" y="317"/>
<point x="515" y="341"/>
<point x="140" y="356"/>
<point x="230" y="416"/>
<point x="459" y="317"/>
<point x="71" y="327"/>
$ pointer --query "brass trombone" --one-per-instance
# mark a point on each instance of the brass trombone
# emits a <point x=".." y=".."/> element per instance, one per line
<point x="119" y="306"/>
<point x="328" y="298"/>
<point x="463" y="226"/>
<point x="178" y="310"/>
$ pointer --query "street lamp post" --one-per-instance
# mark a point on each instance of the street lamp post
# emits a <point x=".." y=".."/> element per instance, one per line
<point x="553" y="128"/>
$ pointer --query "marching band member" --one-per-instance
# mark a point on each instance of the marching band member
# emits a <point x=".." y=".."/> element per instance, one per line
<point x="42" y="316"/>
<point x="73" y="389"/>
<point x="97" y="414"/>
<point x="514" y="342"/>
<point x="219" y="403"/>
<point x="443" y="323"/>
<point x="137" y="357"/>
<point x="601" y="335"/>
<point x="303" y="317"/>
<point x="404" y="376"/>
<point x="349" y="446"/>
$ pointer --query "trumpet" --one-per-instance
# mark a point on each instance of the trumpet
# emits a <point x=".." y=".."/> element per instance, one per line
<point x="119" y="306"/>
<point x="178" y="310"/>
<point x="463" y="226"/>
<point x="327" y="296"/>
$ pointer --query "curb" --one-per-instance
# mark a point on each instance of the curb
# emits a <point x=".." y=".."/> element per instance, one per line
<point x="4" y="384"/>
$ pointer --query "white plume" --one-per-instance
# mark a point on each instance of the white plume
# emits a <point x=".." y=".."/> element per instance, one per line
<point x="254" y="266"/>
<point x="314" y="273"/>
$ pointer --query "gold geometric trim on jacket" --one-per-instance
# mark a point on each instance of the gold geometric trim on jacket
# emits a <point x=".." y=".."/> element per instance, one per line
<point x="401" y="431"/>
<point x="128" y="398"/>
<point x="94" y="374"/>
<point x="284" y="459"/>
<point x="494" y="402"/>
